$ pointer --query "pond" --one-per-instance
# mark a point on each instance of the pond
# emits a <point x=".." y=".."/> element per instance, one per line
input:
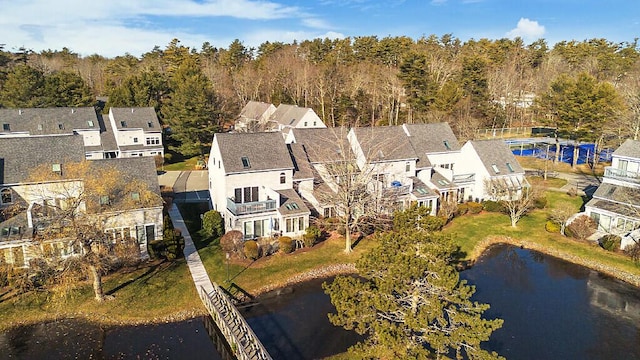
<point x="552" y="310"/>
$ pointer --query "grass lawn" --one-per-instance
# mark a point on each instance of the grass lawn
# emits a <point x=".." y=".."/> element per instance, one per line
<point x="187" y="164"/>
<point x="549" y="183"/>
<point x="165" y="291"/>
<point x="530" y="162"/>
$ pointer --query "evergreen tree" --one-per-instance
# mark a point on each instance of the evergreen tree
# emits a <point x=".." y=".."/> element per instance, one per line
<point x="410" y="302"/>
<point x="65" y="88"/>
<point x="190" y="109"/>
<point x="23" y="88"/>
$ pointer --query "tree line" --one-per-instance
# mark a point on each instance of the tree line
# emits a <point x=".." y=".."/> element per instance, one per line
<point x="589" y="90"/>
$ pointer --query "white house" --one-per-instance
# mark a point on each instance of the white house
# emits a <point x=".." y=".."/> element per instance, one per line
<point x="615" y="205"/>
<point x="254" y="117"/>
<point x="251" y="185"/>
<point x="492" y="162"/>
<point x="25" y="203"/>
<point x="126" y="132"/>
<point x="137" y="131"/>
<point x="287" y="117"/>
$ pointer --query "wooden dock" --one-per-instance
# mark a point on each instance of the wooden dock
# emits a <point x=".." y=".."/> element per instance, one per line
<point x="243" y="342"/>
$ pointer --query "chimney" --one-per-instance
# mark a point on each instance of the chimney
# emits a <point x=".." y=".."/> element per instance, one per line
<point x="73" y="110"/>
<point x="19" y="111"/>
<point x="132" y="110"/>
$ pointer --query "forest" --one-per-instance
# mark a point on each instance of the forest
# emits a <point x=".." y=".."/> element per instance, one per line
<point x="588" y="90"/>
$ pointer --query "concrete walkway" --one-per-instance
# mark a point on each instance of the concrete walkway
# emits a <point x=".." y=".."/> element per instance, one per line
<point x="196" y="267"/>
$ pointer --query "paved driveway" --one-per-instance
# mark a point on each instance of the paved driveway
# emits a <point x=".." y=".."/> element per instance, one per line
<point x="188" y="186"/>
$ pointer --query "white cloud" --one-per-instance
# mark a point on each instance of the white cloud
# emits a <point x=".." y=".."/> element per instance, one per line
<point x="316" y="23"/>
<point x="527" y="29"/>
<point x="114" y="27"/>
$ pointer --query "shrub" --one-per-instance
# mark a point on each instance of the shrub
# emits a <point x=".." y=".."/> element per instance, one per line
<point x="172" y="244"/>
<point x="474" y="207"/>
<point x="212" y="224"/>
<point x="231" y="242"/>
<point x="286" y="244"/>
<point x="610" y="242"/>
<point x="540" y="202"/>
<point x="552" y="227"/>
<point x="633" y="251"/>
<point x="312" y="236"/>
<point x="581" y="228"/>
<point x="251" y="250"/>
<point x="493" y="206"/>
<point x="462" y="209"/>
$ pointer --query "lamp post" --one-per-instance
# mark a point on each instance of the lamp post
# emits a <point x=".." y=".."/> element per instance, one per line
<point x="227" y="258"/>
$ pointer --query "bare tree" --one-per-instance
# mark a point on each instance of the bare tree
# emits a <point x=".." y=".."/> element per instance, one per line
<point x="561" y="214"/>
<point x="351" y="179"/>
<point x="73" y="209"/>
<point x="517" y="200"/>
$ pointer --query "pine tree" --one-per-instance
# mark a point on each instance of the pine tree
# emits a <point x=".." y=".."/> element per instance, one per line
<point x="410" y="302"/>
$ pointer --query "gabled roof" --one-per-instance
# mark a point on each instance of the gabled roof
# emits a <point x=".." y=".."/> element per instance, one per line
<point x="431" y="138"/>
<point x="19" y="156"/>
<point x="496" y="157"/>
<point x="301" y="167"/>
<point x="384" y="143"/>
<point x="144" y="118"/>
<point x="323" y="144"/>
<point x="441" y="182"/>
<point x="107" y="137"/>
<point x="142" y="168"/>
<point x="289" y="115"/>
<point x="630" y="148"/>
<point x="251" y="152"/>
<point x="619" y="194"/>
<point x="49" y="121"/>
<point x="291" y="203"/>
<point x="254" y="110"/>
<point x="421" y="190"/>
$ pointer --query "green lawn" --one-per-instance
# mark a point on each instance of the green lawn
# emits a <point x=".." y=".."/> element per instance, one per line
<point x="164" y="291"/>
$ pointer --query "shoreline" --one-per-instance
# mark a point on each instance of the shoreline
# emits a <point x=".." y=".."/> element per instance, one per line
<point x="342" y="269"/>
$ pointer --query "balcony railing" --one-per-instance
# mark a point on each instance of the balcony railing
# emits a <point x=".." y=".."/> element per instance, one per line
<point x="464" y="178"/>
<point x="250" y="207"/>
<point x="397" y="190"/>
<point x="615" y="173"/>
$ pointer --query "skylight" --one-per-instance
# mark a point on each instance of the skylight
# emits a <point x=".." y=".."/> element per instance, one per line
<point x="123" y="123"/>
<point x="446" y="145"/>
<point x="245" y="162"/>
<point x="90" y="123"/>
<point x="510" y="167"/>
<point x="495" y="168"/>
<point x="6" y="127"/>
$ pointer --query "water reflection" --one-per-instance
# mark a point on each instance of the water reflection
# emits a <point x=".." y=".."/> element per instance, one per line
<point x="555" y="310"/>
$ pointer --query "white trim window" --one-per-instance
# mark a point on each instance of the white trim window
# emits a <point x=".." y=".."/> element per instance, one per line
<point x="150" y="141"/>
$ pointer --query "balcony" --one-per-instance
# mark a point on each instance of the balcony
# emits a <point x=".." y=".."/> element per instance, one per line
<point x="251" y="207"/>
<point x="623" y="175"/>
<point x="397" y="190"/>
<point x="461" y="179"/>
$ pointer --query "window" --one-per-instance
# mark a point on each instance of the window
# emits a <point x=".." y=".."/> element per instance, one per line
<point x="407" y="166"/>
<point x="61" y="126"/>
<point x="6" y="127"/>
<point x="289" y="224"/>
<point x="283" y="178"/>
<point x="301" y="223"/>
<point x="135" y="196"/>
<point x="90" y="123"/>
<point x="258" y="229"/>
<point x="245" y="162"/>
<point x="135" y="139"/>
<point x="123" y="124"/>
<point x="153" y="141"/>
<point x="6" y="197"/>
<point x="245" y="195"/>
<point x="150" y="124"/>
<point x="495" y="168"/>
<point x="622" y="165"/>
<point x="510" y="167"/>
<point x="56" y="168"/>
<point x="314" y="123"/>
<point x="446" y="145"/>
<point x="305" y="124"/>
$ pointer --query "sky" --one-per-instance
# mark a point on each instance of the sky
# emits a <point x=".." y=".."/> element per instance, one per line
<point x="116" y="27"/>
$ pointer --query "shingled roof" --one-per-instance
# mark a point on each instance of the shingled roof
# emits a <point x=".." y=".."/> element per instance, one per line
<point x="144" y="118"/>
<point x="384" y="143"/>
<point x="496" y="157"/>
<point x="19" y="156"/>
<point x="254" y="110"/>
<point x="251" y="152"/>
<point x="289" y="115"/>
<point x="49" y="121"/>
<point x="323" y="144"/>
<point x="301" y="167"/>
<point x="139" y="167"/>
<point x="630" y="148"/>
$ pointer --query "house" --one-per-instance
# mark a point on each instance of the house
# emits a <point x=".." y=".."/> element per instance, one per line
<point x="137" y="131"/>
<point x="251" y="185"/>
<point x="254" y="117"/>
<point x="615" y="206"/>
<point x="494" y="166"/>
<point x="126" y="132"/>
<point x="438" y="153"/>
<point x="287" y="117"/>
<point x="27" y="201"/>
